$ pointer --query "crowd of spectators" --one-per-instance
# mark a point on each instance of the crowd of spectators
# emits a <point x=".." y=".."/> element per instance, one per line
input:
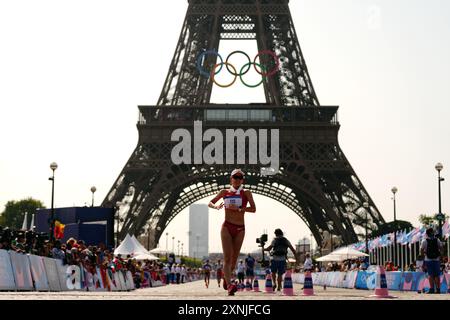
<point x="76" y="252"/>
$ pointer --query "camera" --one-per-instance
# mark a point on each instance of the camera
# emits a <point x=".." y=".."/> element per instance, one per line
<point x="262" y="240"/>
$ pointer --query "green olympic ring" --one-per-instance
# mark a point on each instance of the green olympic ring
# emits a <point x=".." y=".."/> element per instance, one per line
<point x="255" y="64"/>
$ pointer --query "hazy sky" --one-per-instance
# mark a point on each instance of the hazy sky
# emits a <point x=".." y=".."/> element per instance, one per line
<point x="73" y="72"/>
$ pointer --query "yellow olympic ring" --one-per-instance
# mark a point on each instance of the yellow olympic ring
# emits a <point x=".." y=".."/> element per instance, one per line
<point x="213" y="71"/>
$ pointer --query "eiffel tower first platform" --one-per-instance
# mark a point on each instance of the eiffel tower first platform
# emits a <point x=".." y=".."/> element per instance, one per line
<point x="315" y="179"/>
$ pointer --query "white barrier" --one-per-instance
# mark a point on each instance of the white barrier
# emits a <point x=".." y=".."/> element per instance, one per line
<point x="21" y="271"/>
<point x="6" y="272"/>
<point x="29" y="272"/>
<point x="38" y="273"/>
<point x="52" y="274"/>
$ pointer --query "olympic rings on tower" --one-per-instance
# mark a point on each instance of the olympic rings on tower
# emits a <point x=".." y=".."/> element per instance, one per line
<point x="259" y="67"/>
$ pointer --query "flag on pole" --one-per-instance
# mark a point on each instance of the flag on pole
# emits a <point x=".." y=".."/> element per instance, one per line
<point x="32" y="222"/>
<point x="59" y="230"/>
<point x="446" y="229"/>
<point x="25" y="224"/>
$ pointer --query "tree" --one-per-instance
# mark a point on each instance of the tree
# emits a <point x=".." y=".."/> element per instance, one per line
<point x="14" y="212"/>
<point x="429" y="220"/>
<point x="391" y="227"/>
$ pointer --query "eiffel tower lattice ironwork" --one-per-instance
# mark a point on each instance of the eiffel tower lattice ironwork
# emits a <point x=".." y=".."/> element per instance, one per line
<point x="315" y="179"/>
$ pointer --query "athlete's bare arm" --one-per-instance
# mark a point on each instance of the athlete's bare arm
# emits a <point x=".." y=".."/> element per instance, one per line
<point x="220" y="195"/>
<point x="251" y="202"/>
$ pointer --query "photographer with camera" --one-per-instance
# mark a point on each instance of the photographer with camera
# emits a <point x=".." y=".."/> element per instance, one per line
<point x="279" y="248"/>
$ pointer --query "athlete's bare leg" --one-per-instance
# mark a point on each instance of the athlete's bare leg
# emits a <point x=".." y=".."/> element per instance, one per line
<point x="227" y="247"/>
<point x="237" y="244"/>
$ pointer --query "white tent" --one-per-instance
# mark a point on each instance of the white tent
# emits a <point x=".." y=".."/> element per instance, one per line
<point x="130" y="246"/>
<point x="342" y="254"/>
<point x="145" y="256"/>
<point x="126" y="247"/>
<point x="330" y="257"/>
<point x="139" y="245"/>
<point x="349" y="253"/>
<point x="159" y="251"/>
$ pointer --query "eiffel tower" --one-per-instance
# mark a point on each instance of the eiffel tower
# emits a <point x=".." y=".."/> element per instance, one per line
<point x="315" y="179"/>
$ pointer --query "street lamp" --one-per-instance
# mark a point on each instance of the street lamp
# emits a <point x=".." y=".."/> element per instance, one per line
<point x="148" y="238"/>
<point x="366" y="206"/>
<point x="440" y="217"/>
<point x="331" y="236"/>
<point x="118" y="204"/>
<point x="93" y="189"/>
<point x="167" y="244"/>
<point x="173" y="244"/>
<point x="394" y="191"/>
<point x="53" y="166"/>
<point x="178" y="248"/>
<point x="182" y="250"/>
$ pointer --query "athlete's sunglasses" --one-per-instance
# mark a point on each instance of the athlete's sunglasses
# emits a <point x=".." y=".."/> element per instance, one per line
<point x="236" y="177"/>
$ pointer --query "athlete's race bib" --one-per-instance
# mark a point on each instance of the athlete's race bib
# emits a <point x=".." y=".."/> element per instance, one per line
<point x="232" y="202"/>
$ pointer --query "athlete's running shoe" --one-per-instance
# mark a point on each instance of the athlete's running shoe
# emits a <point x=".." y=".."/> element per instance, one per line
<point x="232" y="288"/>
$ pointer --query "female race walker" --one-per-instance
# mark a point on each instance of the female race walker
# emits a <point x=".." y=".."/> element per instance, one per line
<point x="232" y="233"/>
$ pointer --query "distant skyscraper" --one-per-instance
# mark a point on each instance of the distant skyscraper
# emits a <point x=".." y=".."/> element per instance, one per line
<point x="198" y="231"/>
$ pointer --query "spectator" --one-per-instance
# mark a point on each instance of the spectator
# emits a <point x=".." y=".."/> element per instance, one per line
<point x="431" y="248"/>
<point x="178" y="273"/>
<point x="307" y="265"/>
<point x="58" y="252"/>
<point x="241" y="271"/>
<point x="183" y="273"/>
<point x="250" y="267"/>
<point x="420" y="264"/>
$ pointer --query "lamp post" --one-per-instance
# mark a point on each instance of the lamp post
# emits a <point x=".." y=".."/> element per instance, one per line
<point x="394" y="191"/>
<point x="53" y="166"/>
<point x="93" y="189"/>
<point x="178" y="248"/>
<point x="173" y="244"/>
<point x="366" y="206"/>
<point x="118" y="204"/>
<point x="182" y="250"/>
<point x="331" y="236"/>
<point x="167" y="243"/>
<point x="148" y="238"/>
<point x="440" y="217"/>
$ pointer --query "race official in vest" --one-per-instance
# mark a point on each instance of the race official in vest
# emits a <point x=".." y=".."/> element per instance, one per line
<point x="279" y="248"/>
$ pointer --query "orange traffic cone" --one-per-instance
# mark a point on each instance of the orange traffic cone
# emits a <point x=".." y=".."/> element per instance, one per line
<point x="269" y="287"/>
<point x="308" y="289"/>
<point x="256" y="285"/>
<point x="288" y="289"/>
<point x="381" y="289"/>
<point x="248" y="285"/>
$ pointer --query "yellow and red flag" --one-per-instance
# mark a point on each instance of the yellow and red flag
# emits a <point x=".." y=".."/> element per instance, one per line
<point x="59" y="230"/>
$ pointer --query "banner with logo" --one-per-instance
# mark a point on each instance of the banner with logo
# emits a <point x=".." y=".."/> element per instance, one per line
<point x="394" y="280"/>
<point x="366" y="280"/>
<point x="38" y="273"/>
<point x="21" y="271"/>
<point x="6" y="272"/>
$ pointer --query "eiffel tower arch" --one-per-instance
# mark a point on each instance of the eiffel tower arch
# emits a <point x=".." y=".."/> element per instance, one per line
<point x="315" y="179"/>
